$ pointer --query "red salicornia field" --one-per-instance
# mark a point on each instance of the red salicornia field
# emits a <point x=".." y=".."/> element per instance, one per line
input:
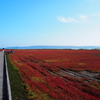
<point x="59" y="74"/>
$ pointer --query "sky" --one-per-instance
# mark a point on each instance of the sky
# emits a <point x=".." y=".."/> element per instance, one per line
<point x="49" y="22"/>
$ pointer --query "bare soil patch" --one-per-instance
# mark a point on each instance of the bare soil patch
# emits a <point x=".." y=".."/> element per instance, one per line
<point x="81" y="74"/>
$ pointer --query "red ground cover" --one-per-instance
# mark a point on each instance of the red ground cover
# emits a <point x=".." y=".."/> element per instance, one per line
<point x="39" y="68"/>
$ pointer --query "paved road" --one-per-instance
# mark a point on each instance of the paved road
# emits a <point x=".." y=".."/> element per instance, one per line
<point x="1" y="74"/>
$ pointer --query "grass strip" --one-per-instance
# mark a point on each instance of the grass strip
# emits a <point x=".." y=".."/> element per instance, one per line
<point x="17" y="90"/>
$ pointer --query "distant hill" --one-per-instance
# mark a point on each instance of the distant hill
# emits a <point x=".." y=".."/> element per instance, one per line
<point x="54" y="47"/>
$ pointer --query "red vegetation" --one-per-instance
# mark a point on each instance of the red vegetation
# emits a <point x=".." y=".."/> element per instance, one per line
<point x="39" y="70"/>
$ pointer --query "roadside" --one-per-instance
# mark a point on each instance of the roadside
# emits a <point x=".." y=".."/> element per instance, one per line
<point x="17" y="89"/>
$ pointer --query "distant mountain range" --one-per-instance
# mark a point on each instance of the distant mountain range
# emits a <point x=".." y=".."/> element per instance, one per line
<point x="54" y="47"/>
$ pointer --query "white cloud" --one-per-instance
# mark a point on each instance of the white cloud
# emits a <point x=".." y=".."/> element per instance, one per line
<point x="98" y="14"/>
<point x="83" y="17"/>
<point x="72" y="19"/>
<point x="66" y="20"/>
<point x="80" y="19"/>
<point x="62" y="19"/>
<point x="91" y="0"/>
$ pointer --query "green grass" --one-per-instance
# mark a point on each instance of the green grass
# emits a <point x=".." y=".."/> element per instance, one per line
<point x="17" y="90"/>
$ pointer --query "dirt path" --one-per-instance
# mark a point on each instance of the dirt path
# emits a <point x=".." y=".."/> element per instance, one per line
<point x="66" y="72"/>
<point x="78" y="75"/>
<point x="82" y="74"/>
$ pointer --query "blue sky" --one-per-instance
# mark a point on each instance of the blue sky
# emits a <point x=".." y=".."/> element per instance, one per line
<point x="49" y="22"/>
